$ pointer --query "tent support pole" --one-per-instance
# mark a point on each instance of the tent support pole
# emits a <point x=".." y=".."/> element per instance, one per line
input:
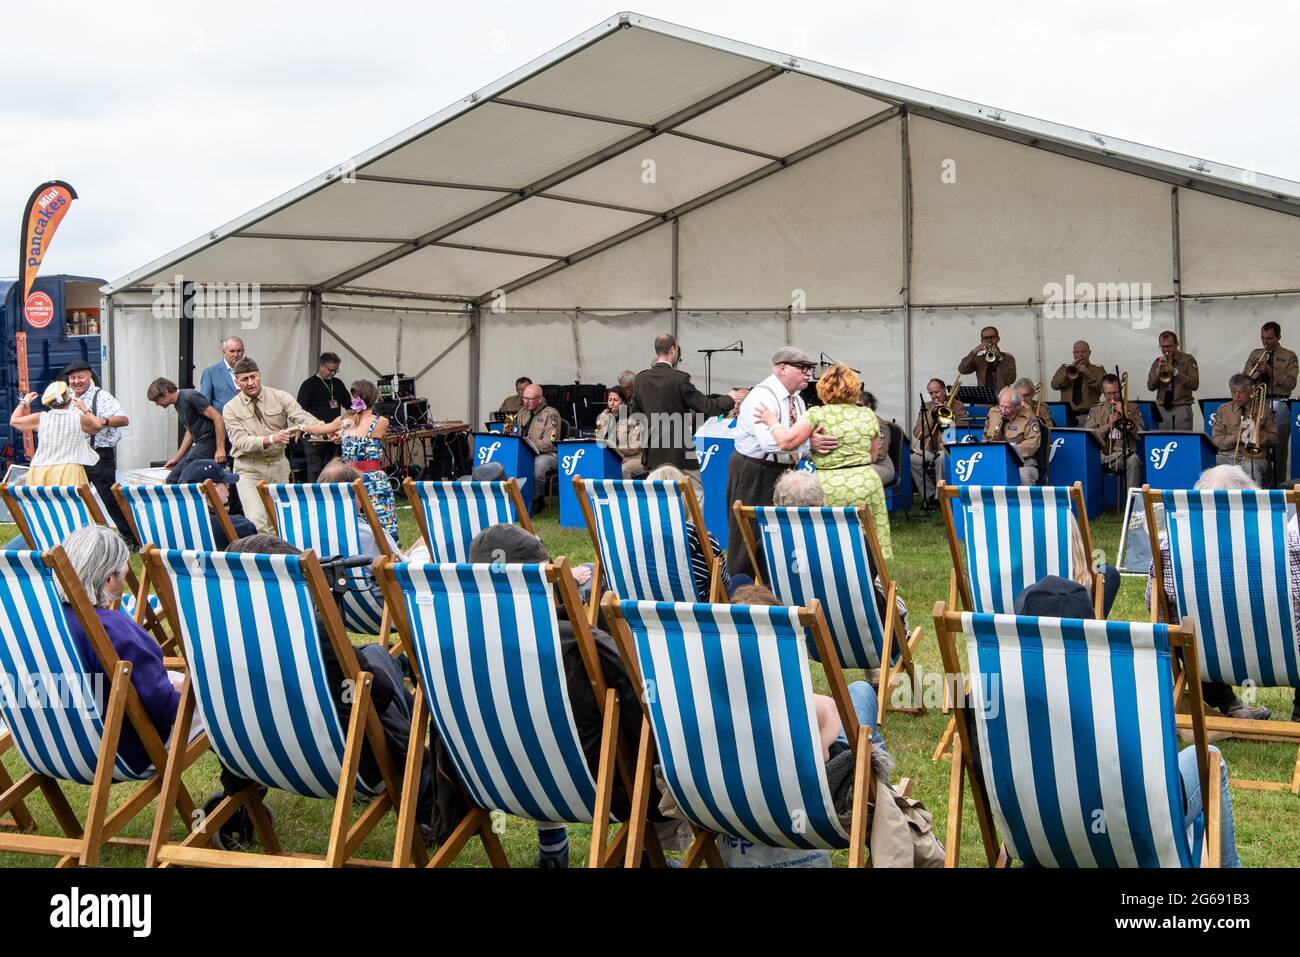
<point x="906" y="156"/>
<point x="475" y="335"/>
<point x="108" y="368"/>
<point x="313" y="332"/>
<point x="1179" y="324"/>
<point x="676" y="293"/>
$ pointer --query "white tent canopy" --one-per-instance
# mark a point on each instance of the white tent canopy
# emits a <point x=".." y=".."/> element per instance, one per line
<point x="645" y="177"/>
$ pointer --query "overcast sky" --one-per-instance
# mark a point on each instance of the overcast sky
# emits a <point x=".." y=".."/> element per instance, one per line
<point x="172" y="118"/>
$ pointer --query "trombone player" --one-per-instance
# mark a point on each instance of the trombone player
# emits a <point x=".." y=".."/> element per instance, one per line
<point x="937" y="416"/>
<point x="1174" y="377"/>
<point x="1079" y="382"/>
<point x="1116" y="423"/>
<point x="1244" y="429"/>
<point x="992" y="368"/>
<point x="1275" y="367"/>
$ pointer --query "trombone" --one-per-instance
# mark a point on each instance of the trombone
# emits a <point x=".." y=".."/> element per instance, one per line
<point x="941" y="416"/>
<point x="1124" y="423"/>
<point x="1256" y="409"/>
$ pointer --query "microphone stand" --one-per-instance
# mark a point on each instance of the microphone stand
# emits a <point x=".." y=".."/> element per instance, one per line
<point x="927" y="432"/>
<point x="737" y="346"/>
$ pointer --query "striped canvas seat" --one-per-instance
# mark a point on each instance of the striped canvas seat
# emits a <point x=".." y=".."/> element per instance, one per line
<point x="488" y="650"/>
<point x="731" y="710"/>
<point x="822" y="553"/>
<point x="452" y="513"/>
<point x="1014" y="536"/>
<point x="170" y="516"/>
<point x="324" y="518"/>
<point x="1077" y="741"/>
<point x="640" y="529"/>
<point x="52" y="512"/>
<point x="253" y="646"/>
<point x="37" y="651"/>
<point x="1228" y="551"/>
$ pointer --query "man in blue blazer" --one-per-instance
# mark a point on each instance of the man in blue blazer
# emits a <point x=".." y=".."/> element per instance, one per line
<point x="218" y="382"/>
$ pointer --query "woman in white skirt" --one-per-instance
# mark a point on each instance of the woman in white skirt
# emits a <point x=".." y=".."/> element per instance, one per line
<point x="62" y="452"/>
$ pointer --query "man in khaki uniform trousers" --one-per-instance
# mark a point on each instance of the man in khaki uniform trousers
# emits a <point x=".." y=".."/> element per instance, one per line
<point x="992" y="375"/>
<point x="927" y="437"/>
<point x="1012" y="421"/>
<point x="259" y="427"/>
<point x="1103" y="422"/>
<point x="1083" y="391"/>
<point x="1174" y="398"/>
<point x="539" y="423"/>
<point x="1232" y="421"/>
<point x="1279" y="374"/>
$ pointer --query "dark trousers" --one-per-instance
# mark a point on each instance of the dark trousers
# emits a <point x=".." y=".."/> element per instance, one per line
<point x="205" y="450"/>
<point x="102" y="475"/>
<point x="318" y="455"/>
<point x="751" y="482"/>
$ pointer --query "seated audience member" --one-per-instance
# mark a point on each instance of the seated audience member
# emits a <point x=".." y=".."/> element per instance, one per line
<point x="1056" y="597"/>
<point x="200" y="470"/>
<point x="513" y="545"/>
<point x="699" y="564"/>
<point x="338" y="471"/>
<point x="1217" y="694"/>
<point x="99" y="557"/>
<point x="880" y="460"/>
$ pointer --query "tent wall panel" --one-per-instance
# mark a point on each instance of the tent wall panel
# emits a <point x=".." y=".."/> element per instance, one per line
<point x="144" y="348"/>
<point x="1232" y="247"/>
<point x="537" y="345"/>
<point x="634" y="274"/>
<point x="614" y="342"/>
<point x="763" y="333"/>
<point x="871" y="342"/>
<point x="1222" y="332"/>
<point x="941" y="337"/>
<point x="1017" y="218"/>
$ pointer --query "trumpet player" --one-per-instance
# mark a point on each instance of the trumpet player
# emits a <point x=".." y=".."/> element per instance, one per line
<point x="930" y="461"/>
<point x="1174" y="377"/>
<point x="1244" y="430"/>
<point x="1108" y="421"/>
<point x="1275" y="366"/>
<point x="992" y="368"/>
<point x="1079" y="382"/>
<point x="1013" y="421"/>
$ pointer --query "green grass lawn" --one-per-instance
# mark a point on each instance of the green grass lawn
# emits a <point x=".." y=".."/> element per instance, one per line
<point x="1267" y="834"/>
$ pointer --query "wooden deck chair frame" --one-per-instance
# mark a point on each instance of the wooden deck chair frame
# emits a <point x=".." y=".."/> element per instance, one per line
<point x="20" y="818"/>
<point x="522" y="517"/>
<point x="1275" y="731"/>
<point x="363" y="728"/>
<point x="948" y="626"/>
<point x="686" y="489"/>
<point x="703" y="849"/>
<point x="747" y="519"/>
<point x="616" y="757"/>
<point x="959" y="593"/>
<point x="358" y="487"/>
<point x="82" y="843"/>
<point x="144" y="614"/>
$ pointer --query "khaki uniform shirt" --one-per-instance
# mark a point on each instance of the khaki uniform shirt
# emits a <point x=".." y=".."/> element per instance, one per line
<point x="1228" y="425"/>
<point x="1087" y="386"/>
<point x="992" y="375"/>
<point x="512" y="404"/>
<point x="1023" y="430"/>
<point x="623" y="435"/>
<point x="542" y="428"/>
<point x="1187" y="379"/>
<point x="1096" y="423"/>
<point x="935" y="443"/>
<point x="1285" y="366"/>
<point x="247" y="421"/>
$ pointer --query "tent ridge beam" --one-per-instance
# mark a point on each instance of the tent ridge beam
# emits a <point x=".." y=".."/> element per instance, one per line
<point x="304" y="237"/>
<point x="715" y="99"/>
<point x="498" y="251"/>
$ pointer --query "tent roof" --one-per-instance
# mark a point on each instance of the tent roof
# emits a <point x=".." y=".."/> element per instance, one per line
<point x="625" y="127"/>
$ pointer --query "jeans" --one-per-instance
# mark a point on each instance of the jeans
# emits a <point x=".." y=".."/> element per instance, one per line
<point x="1192" y="789"/>
<point x="867" y="705"/>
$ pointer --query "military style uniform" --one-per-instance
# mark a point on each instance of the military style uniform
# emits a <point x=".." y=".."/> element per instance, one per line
<point x="1231" y="421"/>
<point x="623" y="434"/>
<point x="511" y="404"/>
<point x="928" y="446"/>
<point x="1082" y="392"/>
<point x="1174" y="398"/>
<point x="1112" y="440"/>
<point x="992" y="375"/>
<point x="1023" y="430"/>
<point x="542" y="429"/>
<point x="1281" y="383"/>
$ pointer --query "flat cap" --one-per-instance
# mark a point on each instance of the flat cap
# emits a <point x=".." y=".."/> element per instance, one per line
<point x="509" y="544"/>
<point x="792" y="356"/>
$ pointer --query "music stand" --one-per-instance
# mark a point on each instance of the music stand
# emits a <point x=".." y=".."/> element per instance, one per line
<point x="977" y="395"/>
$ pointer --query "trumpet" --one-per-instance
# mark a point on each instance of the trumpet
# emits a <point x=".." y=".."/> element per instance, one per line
<point x="1072" y="373"/>
<point x="1265" y="358"/>
<point x="1248" y="445"/>
<point x="1166" y="371"/>
<point x="941" y="416"/>
<point x="990" y="355"/>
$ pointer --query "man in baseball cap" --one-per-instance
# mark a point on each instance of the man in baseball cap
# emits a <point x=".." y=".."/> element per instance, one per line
<point x="200" y="471"/>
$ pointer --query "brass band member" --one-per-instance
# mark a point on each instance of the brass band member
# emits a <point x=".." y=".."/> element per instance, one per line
<point x="1239" y="424"/>
<point x="880" y="460"/>
<point x="1173" y="378"/>
<point x="1079" y="382"/>
<point x="1012" y="421"/>
<point x="623" y="434"/>
<point x="1275" y="366"/>
<point x="992" y="368"/>
<point x="539" y="423"/>
<point x="927" y="437"/>
<point x="1103" y="421"/>
<point x="514" y="404"/>
<point x="1029" y="399"/>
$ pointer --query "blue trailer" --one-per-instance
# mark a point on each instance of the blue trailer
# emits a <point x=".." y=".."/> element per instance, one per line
<point x="73" y="334"/>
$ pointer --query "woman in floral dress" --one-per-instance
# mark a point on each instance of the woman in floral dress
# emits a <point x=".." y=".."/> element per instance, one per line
<point x="845" y="473"/>
<point x="361" y="432"/>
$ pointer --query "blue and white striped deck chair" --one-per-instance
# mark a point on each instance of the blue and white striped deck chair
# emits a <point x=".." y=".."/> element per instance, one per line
<point x="58" y="711"/>
<point x="729" y="702"/>
<point x="638" y="528"/>
<point x="1077" y="743"/>
<point x="324" y="518"/>
<point x="489" y="667"/>
<point x="174" y="516"/>
<point x="1013" y="536"/>
<point x="258" y="673"/>
<point x="450" y="514"/>
<point x="1229" y="566"/>
<point x="832" y="555"/>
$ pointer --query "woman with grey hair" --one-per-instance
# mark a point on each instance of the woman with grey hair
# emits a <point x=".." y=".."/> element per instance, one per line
<point x="99" y="556"/>
<point x="798" y="487"/>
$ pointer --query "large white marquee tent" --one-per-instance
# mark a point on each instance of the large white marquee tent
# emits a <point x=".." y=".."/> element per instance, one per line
<point x="646" y="177"/>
